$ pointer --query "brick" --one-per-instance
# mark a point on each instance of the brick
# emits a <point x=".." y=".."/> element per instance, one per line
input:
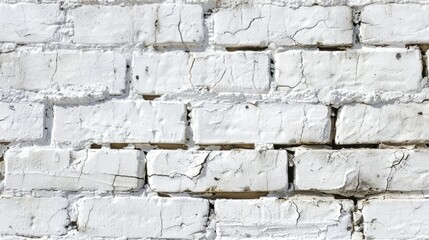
<point x="361" y="171"/>
<point x="158" y="25"/>
<point x="120" y="121"/>
<point x="261" y="25"/>
<point x="217" y="171"/>
<point x="92" y="68"/>
<point x="262" y="123"/>
<point x="365" y="70"/>
<point x="394" y="24"/>
<point x="392" y="123"/>
<point x="32" y="70"/>
<point x="311" y="218"/>
<point x="35" y="217"/>
<point x="21" y="121"/>
<point x="47" y="168"/>
<point x="159" y="73"/>
<point x="143" y="217"/>
<point x="29" y="23"/>
<point x="395" y="218"/>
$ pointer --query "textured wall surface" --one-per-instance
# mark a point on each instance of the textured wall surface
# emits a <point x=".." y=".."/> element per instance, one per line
<point x="214" y="119"/>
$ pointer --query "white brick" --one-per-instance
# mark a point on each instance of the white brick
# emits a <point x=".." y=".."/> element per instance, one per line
<point x="394" y="23"/>
<point x="175" y="24"/>
<point x="36" y="168"/>
<point x="159" y="73"/>
<point x="159" y="25"/>
<point x="312" y="218"/>
<point x="263" y="123"/>
<point x="21" y="121"/>
<point x="36" y="217"/>
<point x="396" y="218"/>
<point x="104" y="24"/>
<point x="217" y="171"/>
<point x="29" y="23"/>
<point x="32" y="70"/>
<point x="26" y="70"/>
<point x="366" y="70"/>
<point x="92" y="68"/>
<point x="393" y="123"/>
<point x="119" y="121"/>
<point x="143" y="217"/>
<point x="361" y="171"/>
<point x="265" y="24"/>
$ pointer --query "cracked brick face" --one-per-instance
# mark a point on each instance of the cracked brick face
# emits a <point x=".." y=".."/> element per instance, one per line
<point x="214" y="119"/>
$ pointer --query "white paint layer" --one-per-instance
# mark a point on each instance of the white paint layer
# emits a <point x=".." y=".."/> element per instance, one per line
<point x="217" y="171"/>
<point x="264" y="123"/>
<point x="383" y="24"/>
<point x="119" y="121"/>
<point x="29" y="22"/>
<point x="143" y="217"/>
<point x="392" y="123"/>
<point x="21" y="121"/>
<point x="36" y="168"/>
<point x="396" y="218"/>
<point x="297" y="218"/>
<point x="159" y="73"/>
<point x="363" y="70"/>
<point x="356" y="172"/>
<point x="158" y="25"/>
<point x="29" y="216"/>
<point x="261" y="25"/>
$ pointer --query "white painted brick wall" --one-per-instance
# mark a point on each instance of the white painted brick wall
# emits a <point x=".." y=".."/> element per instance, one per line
<point x="33" y="70"/>
<point x="217" y="171"/>
<point x="361" y="171"/>
<point x="284" y="218"/>
<point x="394" y="24"/>
<point x="392" y="123"/>
<point x="143" y="217"/>
<point x="365" y="70"/>
<point x="265" y="24"/>
<point x="396" y="218"/>
<point x="120" y="121"/>
<point x="29" y="216"/>
<point x="156" y="74"/>
<point x="169" y="24"/>
<point x="21" y="121"/>
<point x="265" y="123"/>
<point x="29" y="22"/>
<point x="37" y="168"/>
<point x="214" y="119"/>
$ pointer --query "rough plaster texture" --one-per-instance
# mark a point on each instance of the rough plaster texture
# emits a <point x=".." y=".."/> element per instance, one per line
<point x="204" y="119"/>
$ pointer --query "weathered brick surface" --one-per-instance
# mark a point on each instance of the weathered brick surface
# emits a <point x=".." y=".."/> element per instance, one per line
<point x="284" y="218"/>
<point x="143" y="217"/>
<point x="21" y="121"/>
<point x="165" y="24"/>
<point x="47" y="168"/>
<point x="261" y="25"/>
<point x="247" y="123"/>
<point x="365" y="70"/>
<point x="156" y="74"/>
<point x="392" y="123"/>
<point x="217" y="171"/>
<point x="395" y="218"/>
<point x="361" y="171"/>
<point x="29" y="22"/>
<point x="394" y="24"/>
<point x="33" y="70"/>
<point x="120" y="121"/>
<point x="213" y="119"/>
<point x="29" y="216"/>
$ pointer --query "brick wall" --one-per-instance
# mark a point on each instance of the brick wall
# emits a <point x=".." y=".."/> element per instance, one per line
<point x="214" y="119"/>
